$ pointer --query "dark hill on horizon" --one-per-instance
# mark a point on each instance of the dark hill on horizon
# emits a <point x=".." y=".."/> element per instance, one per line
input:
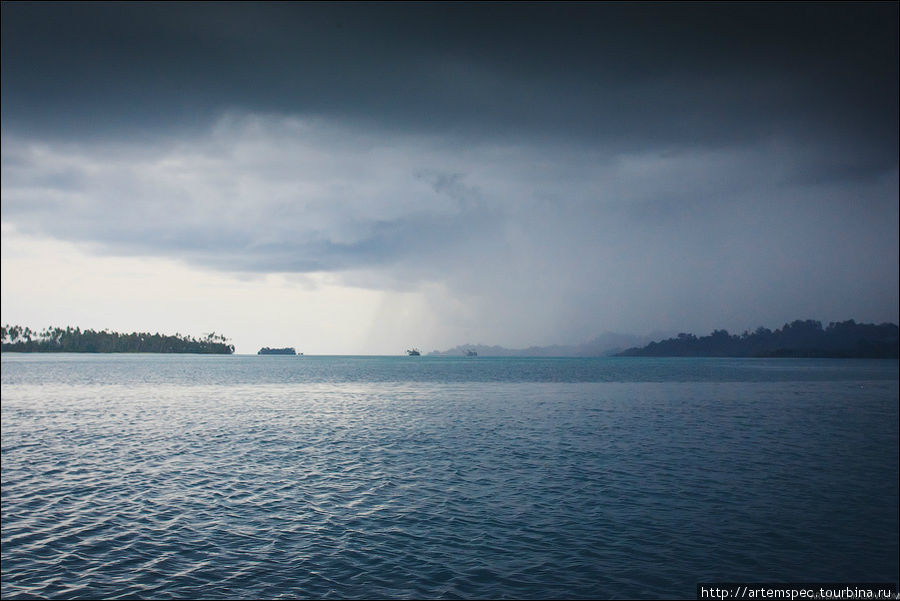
<point x="607" y="344"/>
<point x="800" y="338"/>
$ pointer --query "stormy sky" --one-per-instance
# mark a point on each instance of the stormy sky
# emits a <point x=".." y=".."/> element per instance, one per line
<point x="361" y="178"/>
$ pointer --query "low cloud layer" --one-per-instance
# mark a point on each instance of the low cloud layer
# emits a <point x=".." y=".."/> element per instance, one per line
<point x="557" y="236"/>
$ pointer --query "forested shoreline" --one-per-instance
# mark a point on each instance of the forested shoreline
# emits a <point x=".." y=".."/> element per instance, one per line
<point x="75" y="340"/>
<point x="800" y="338"/>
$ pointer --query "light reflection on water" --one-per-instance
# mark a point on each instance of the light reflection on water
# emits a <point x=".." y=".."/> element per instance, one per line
<point x="145" y="476"/>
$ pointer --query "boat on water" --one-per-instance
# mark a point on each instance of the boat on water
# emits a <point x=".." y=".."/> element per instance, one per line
<point x="413" y="352"/>
<point x="289" y="350"/>
<point x="471" y="353"/>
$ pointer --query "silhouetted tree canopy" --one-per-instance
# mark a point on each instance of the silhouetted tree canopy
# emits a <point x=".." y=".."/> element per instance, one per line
<point x="76" y="340"/>
<point x="801" y="338"/>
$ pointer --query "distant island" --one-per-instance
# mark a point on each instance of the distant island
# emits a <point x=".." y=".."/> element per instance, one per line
<point x="801" y="338"/>
<point x="75" y="340"/>
<point x="288" y="350"/>
<point x="604" y="345"/>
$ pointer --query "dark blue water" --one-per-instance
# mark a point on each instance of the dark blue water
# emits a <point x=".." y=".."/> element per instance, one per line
<point x="243" y="477"/>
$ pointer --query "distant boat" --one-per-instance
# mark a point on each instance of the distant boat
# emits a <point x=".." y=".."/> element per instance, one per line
<point x="277" y="351"/>
<point x="413" y="352"/>
<point x="471" y="353"/>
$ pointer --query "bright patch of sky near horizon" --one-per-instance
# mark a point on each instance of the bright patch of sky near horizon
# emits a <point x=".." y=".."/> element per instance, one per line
<point x="433" y="192"/>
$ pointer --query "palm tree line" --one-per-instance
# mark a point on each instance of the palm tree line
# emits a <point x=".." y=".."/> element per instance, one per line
<point x="15" y="338"/>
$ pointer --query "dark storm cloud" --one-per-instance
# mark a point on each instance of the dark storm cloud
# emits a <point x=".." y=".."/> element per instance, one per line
<point x="553" y="167"/>
<point x="636" y="74"/>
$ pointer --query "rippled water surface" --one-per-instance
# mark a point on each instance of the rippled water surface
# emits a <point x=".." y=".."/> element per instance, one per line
<point x="352" y="477"/>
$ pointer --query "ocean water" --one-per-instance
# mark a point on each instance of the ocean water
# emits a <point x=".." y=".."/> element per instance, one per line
<point x="180" y="476"/>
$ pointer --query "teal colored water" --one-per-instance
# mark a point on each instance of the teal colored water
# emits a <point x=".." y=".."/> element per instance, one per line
<point x="175" y="476"/>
